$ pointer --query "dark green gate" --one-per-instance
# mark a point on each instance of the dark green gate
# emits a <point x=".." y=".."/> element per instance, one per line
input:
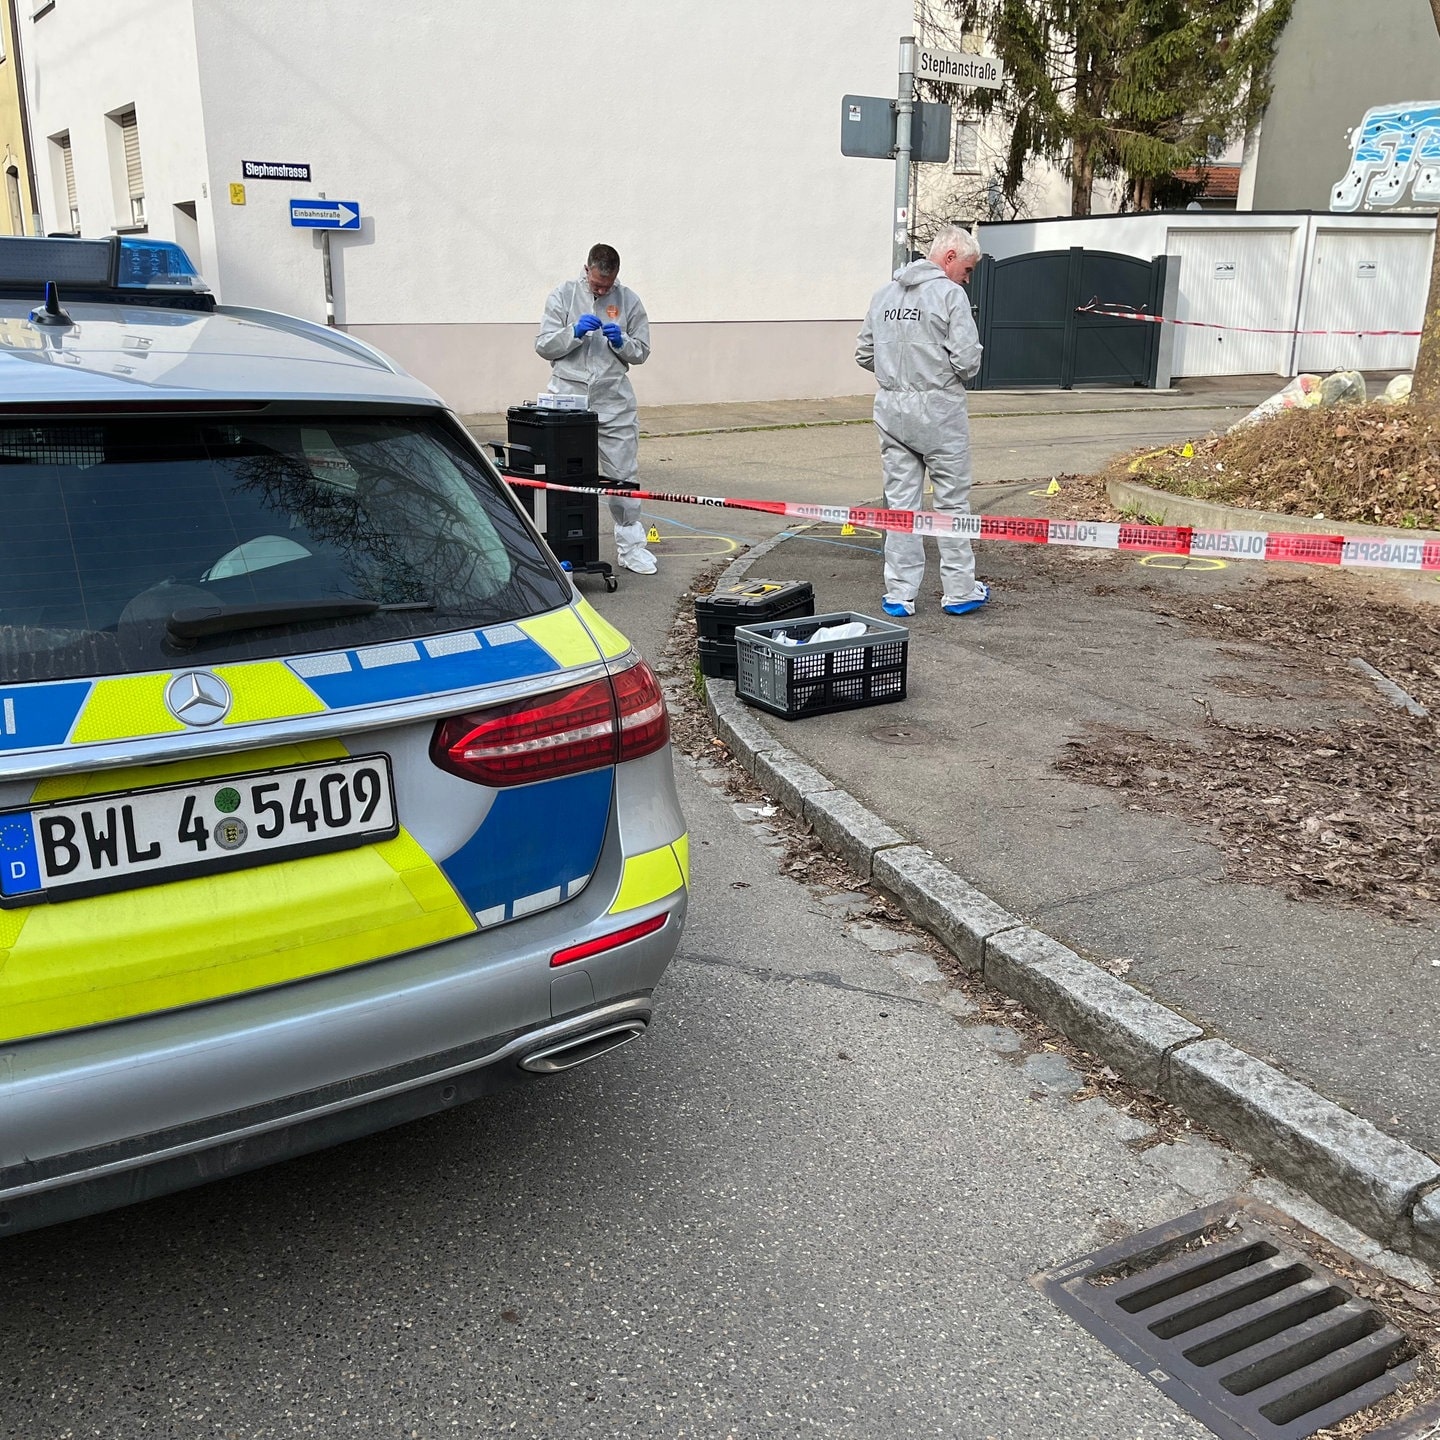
<point x="1028" y="315"/>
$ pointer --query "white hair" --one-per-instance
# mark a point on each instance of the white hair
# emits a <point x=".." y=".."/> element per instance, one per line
<point x="957" y="238"/>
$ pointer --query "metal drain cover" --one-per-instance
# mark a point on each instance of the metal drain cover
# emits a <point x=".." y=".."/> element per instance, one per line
<point x="1254" y="1339"/>
<point x="901" y="735"/>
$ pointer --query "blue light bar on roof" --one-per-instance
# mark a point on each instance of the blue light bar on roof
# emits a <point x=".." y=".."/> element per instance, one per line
<point x="155" y="265"/>
<point x="98" y="268"/>
<point x="33" y="261"/>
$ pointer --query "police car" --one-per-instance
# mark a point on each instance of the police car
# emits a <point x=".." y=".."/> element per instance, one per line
<point x="326" y="801"/>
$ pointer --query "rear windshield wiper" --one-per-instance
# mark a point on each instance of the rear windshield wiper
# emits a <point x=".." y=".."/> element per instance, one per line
<point x="199" y="621"/>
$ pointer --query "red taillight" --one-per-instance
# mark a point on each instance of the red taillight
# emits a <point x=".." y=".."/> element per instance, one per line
<point x="644" y="724"/>
<point x="559" y="734"/>
<point x="609" y="942"/>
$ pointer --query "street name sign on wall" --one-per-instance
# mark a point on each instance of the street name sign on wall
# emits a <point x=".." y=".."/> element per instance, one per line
<point x="275" y="170"/>
<point x="325" y="214"/>
<point x="959" y="67"/>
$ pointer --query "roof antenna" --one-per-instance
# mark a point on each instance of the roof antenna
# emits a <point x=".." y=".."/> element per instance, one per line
<point x="52" y="314"/>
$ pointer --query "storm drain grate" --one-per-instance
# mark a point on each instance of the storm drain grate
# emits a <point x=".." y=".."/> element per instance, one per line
<point x="1255" y="1340"/>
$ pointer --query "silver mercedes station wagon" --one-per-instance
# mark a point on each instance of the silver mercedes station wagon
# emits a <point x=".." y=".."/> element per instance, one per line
<point x="326" y="801"/>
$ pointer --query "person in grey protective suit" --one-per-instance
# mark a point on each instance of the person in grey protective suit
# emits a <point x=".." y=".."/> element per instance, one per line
<point x="920" y="340"/>
<point x="594" y="330"/>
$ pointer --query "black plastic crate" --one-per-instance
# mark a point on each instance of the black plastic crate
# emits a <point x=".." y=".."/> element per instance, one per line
<point x="793" y="681"/>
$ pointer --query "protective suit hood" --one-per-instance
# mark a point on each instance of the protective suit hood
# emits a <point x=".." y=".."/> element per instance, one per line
<point x="917" y="272"/>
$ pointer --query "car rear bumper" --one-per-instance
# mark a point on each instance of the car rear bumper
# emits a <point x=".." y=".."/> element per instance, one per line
<point x="121" y="1113"/>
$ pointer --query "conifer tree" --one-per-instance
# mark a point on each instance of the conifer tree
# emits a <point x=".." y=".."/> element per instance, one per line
<point x="1131" y="89"/>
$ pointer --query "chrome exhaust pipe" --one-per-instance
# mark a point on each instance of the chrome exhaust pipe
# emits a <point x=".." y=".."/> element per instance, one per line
<point x="582" y="1048"/>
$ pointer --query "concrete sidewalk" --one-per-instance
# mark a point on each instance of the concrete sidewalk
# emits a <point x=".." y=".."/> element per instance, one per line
<point x="656" y="421"/>
<point x="1329" y="1010"/>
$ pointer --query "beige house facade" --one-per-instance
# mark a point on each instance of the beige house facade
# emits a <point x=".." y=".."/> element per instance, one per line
<point x="18" y="209"/>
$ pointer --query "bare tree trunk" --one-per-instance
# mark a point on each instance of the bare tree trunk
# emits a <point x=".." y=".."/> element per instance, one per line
<point x="1425" y="393"/>
<point x="1082" y="174"/>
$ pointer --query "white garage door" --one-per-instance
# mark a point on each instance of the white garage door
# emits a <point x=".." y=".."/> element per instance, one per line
<point x="1243" y="281"/>
<point x="1361" y="280"/>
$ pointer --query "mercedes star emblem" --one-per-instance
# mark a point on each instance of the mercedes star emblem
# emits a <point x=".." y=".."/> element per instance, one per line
<point x="198" y="698"/>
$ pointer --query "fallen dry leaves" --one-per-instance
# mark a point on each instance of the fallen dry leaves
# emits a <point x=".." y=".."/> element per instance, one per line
<point x="1349" y="810"/>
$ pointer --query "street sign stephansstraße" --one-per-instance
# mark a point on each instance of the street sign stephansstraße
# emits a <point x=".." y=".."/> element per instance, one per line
<point x="959" y="67"/>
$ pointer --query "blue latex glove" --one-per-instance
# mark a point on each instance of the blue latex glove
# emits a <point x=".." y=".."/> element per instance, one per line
<point x="613" y="333"/>
<point x="585" y="324"/>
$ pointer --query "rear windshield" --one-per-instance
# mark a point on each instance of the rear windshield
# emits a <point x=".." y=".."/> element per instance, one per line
<point x="109" y="529"/>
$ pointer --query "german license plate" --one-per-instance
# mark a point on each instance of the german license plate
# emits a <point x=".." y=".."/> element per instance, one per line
<point x="145" y="837"/>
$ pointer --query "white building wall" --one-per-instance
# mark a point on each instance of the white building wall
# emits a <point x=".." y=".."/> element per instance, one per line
<point x="489" y="146"/>
<point x="87" y="59"/>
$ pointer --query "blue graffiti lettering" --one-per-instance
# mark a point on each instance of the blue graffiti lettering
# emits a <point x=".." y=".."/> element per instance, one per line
<point x="1393" y="146"/>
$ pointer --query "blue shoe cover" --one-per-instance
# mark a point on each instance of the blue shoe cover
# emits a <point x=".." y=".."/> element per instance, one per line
<point x="900" y="611"/>
<point x="966" y="606"/>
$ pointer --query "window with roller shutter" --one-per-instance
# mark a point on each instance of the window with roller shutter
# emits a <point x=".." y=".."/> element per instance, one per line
<point x="134" y="175"/>
<point x="66" y="166"/>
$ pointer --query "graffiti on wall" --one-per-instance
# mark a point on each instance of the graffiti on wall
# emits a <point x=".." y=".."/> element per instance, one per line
<point x="1394" y="148"/>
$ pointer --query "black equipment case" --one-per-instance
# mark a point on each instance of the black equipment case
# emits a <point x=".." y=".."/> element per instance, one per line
<point x="744" y="602"/>
<point x="562" y="446"/>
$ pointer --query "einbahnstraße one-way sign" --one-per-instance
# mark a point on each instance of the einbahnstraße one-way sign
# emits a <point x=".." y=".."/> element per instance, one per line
<point x="325" y="214"/>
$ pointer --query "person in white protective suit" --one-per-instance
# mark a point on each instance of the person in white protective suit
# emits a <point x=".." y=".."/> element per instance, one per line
<point x="594" y="330"/>
<point x="920" y="340"/>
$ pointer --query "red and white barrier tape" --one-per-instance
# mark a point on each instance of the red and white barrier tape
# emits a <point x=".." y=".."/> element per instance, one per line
<point x="1119" y="312"/>
<point x="1376" y="552"/>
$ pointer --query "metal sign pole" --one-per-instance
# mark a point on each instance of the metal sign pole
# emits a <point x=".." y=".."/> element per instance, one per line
<point x="329" y="286"/>
<point x="904" y="112"/>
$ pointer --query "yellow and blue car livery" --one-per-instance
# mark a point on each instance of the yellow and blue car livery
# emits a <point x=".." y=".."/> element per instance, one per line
<point x="163" y="1026"/>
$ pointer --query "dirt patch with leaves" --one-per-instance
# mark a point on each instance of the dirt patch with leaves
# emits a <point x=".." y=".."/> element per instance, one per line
<point x="1368" y="464"/>
<point x="679" y="671"/>
<point x="1348" y="810"/>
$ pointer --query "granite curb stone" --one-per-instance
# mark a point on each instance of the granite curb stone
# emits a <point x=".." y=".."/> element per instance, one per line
<point x="934" y="896"/>
<point x="789" y="779"/>
<point x="742" y="733"/>
<point x="1176" y="509"/>
<point x="845" y="825"/>
<point x="1345" y="1162"/>
<point x="1425" y="1222"/>
<point x="1099" y="1012"/>
<point x="1387" y="1188"/>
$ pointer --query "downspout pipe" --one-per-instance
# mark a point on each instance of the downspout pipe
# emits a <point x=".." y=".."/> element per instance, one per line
<point x="25" y="139"/>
